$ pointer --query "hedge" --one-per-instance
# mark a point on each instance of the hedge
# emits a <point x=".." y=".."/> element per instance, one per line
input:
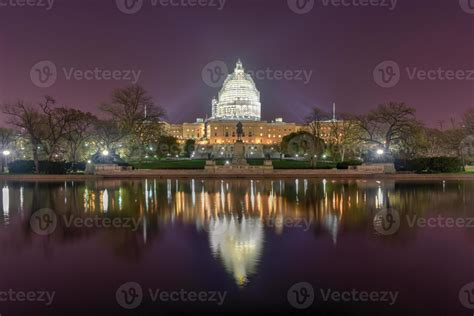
<point x="46" y="167"/>
<point x="348" y="163"/>
<point x="430" y="165"/>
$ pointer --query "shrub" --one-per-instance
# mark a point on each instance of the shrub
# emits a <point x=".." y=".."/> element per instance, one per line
<point x="348" y="163"/>
<point x="53" y="167"/>
<point x="21" y="166"/>
<point x="76" y="166"/>
<point x="46" y="167"/>
<point x="430" y="165"/>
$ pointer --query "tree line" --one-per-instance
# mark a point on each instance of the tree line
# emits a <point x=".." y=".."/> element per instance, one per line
<point x="391" y="128"/>
<point x="58" y="132"/>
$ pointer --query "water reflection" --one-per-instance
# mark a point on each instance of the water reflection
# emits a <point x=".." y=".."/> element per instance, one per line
<point x="234" y="215"/>
<point x="238" y="243"/>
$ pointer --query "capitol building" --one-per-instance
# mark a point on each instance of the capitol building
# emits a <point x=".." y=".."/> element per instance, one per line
<point x="237" y="101"/>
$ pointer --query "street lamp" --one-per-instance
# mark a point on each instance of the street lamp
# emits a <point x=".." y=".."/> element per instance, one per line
<point x="380" y="152"/>
<point x="6" y="153"/>
<point x="105" y="153"/>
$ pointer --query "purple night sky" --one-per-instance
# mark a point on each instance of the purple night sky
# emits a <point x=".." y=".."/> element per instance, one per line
<point x="171" y="45"/>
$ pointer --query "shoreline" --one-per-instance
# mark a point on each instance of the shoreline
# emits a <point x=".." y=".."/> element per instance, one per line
<point x="282" y="174"/>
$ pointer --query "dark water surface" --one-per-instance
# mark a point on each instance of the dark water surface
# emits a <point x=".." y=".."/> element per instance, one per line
<point x="216" y="247"/>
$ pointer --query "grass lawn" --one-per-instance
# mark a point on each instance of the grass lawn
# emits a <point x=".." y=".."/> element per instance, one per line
<point x="199" y="164"/>
<point x="171" y="164"/>
<point x="298" y="164"/>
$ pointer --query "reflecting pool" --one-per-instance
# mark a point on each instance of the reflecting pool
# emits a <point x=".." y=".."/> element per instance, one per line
<point x="237" y="246"/>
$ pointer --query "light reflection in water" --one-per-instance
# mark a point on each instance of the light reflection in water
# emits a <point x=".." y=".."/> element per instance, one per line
<point x="238" y="243"/>
<point x="104" y="201"/>
<point x="240" y="210"/>
<point x="6" y="204"/>
<point x="22" y="201"/>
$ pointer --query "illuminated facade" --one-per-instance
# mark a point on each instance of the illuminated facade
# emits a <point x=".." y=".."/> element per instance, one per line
<point x="239" y="101"/>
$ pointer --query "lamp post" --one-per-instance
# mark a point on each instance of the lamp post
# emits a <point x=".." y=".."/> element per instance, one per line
<point x="5" y="153"/>
<point x="380" y="153"/>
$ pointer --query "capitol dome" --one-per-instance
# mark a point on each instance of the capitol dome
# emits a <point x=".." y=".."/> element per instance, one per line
<point x="238" y="99"/>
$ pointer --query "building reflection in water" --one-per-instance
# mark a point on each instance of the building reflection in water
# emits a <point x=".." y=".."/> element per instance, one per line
<point x="238" y="243"/>
<point x="237" y="215"/>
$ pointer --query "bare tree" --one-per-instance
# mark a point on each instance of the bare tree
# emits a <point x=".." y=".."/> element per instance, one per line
<point x="108" y="134"/>
<point x="315" y="121"/>
<point x="57" y="125"/>
<point x="79" y="130"/>
<point x="7" y="138"/>
<point x="29" y="122"/>
<point x="130" y="106"/>
<point x="468" y="121"/>
<point x="136" y="115"/>
<point x="388" y="125"/>
<point x="345" y="134"/>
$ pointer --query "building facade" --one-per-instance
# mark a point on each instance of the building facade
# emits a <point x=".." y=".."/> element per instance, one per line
<point x="238" y="101"/>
